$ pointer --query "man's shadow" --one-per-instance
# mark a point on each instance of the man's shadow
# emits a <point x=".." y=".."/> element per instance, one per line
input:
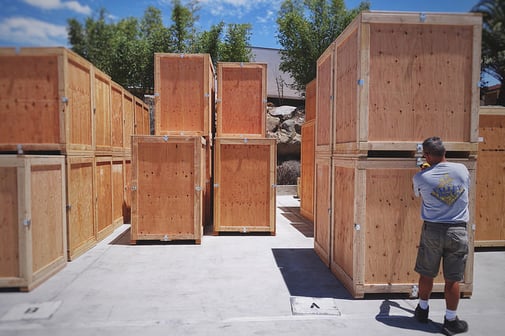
<point x="404" y="322"/>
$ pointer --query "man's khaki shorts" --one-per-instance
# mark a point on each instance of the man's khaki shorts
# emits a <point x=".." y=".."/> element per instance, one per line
<point x="444" y="242"/>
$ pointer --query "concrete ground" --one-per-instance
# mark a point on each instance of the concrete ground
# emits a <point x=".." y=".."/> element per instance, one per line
<point x="231" y="285"/>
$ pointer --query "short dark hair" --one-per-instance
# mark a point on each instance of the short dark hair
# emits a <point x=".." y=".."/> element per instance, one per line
<point x="434" y="146"/>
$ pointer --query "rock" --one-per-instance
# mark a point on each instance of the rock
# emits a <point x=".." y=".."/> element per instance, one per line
<point x="284" y="112"/>
<point x="272" y="123"/>
<point x="284" y="123"/>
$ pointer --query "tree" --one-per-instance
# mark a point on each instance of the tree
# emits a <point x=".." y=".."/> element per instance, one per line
<point x="306" y="29"/>
<point x="235" y="46"/>
<point x="493" y="41"/>
<point x="183" y="30"/>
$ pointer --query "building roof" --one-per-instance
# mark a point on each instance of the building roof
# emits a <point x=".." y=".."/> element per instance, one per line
<point x="277" y="81"/>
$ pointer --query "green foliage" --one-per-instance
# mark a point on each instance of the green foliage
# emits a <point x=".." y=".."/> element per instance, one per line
<point x="493" y="40"/>
<point x="306" y="29"/>
<point x="125" y="50"/>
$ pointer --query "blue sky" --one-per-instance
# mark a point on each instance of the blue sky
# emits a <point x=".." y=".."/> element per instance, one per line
<point x="43" y="22"/>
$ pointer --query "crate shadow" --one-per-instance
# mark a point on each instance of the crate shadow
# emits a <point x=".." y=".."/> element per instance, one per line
<point x="305" y="274"/>
<point x="296" y="220"/>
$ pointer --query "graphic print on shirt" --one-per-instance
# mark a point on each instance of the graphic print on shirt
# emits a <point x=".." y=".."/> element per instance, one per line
<point x="446" y="191"/>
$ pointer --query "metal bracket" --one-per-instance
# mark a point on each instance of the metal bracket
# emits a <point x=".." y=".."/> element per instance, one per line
<point x="134" y="188"/>
<point x="64" y="100"/>
<point x="361" y="82"/>
<point x="20" y="149"/>
<point x="474" y="227"/>
<point x="198" y="188"/>
<point x="165" y="138"/>
<point x="244" y="230"/>
<point x="422" y="17"/>
<point x="216" y="185"/>
<point x="357" y="227"/>
<point x="419" y="162"/>
<point x="27" y="222"/>
<point x="245" y="140"/>
<point x="419" y="148"/>
<point x="69" y="207"/>
<point x="414" y="291"/>
<point x="165" y="238"/>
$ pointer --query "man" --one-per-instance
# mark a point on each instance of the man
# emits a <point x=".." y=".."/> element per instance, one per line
<point x="443" y="187"/>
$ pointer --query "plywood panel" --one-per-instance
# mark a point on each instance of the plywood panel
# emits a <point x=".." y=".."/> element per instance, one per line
<point x="492" y="128"/>
<point x="241" y="108"/>
<point x="81" y="222"/>
<point x="9" y="240"/>
<point x="47" y="215"/>
<point x="29" y="100"/>
<point x="307" y="170"/>
<point x="346" y="74"/>
<point x="103" y="113"/>
<point x="127" y="191"/>
<point x="117" y="191"/>
<point x="490" y="198"/>
<point x="117" y="117"/>
<point x="168" y="177"/>
<point x="310" y="100"/>
<point x="422" y="82"/>
<point x="129" y="120"/>
<point x="322" y="206"/>
<point x="244" y="185"/>
<point x="185" y="87"/>
<point x="324" y="92"/>
<point x="103" y="196"/>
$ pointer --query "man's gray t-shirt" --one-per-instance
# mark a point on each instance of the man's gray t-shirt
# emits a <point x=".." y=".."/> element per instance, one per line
<point x="444" y="191"/>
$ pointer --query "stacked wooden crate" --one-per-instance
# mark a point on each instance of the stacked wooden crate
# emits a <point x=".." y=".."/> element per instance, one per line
<point x="56" y="103"/>
<point x="245" y="160"/>
<point x="307" y="156"/>
<point x="389" y="81"/>
<point x="490" y="228"/>
<point x="171" y="170"/>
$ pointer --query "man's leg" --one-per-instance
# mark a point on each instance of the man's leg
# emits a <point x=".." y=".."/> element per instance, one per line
<point x="425" y="287"/>
<point x="451" y="294"/>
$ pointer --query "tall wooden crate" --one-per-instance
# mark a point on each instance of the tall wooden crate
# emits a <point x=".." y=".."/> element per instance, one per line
<point x="185" y="88"/>
<point x="307" y="159"/>
<point x="376" y="225"/>
<point x="45" y="94"/>
<point x="32" y="221"/>
<point x="242" y="99"/>
<point x="168" y="175"/>
<point x="490" y="222"/>
<point x="244" y="185"/>
<point x="401" y="77"/>
<point x="80" y="198"/>
<point x="103" y="196"/>
<point x="141" y="117"/>
<point x="322" y="206"/>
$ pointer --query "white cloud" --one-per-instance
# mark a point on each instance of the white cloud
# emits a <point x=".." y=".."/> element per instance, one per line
<point x="59" y="4"/>
<point x="28" y="31"/>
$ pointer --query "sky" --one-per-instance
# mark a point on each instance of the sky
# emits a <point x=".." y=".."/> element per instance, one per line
<point x="43" y="22"/>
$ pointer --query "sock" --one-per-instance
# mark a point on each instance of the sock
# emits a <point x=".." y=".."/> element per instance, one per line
<point x="450" y="315"/>
<point x="423" y="304"/>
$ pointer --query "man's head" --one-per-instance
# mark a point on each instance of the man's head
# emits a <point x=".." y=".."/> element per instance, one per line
<point x="433" y="150"/>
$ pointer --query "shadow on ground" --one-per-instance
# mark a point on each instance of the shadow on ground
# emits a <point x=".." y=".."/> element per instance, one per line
<point x="306" y="275"/>
<point x="388" y="317"/>
<point x="302" y="224"/>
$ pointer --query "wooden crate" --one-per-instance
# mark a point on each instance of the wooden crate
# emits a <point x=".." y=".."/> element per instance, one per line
<point x="129" y="121"/>
<point x="242" y="98"/>
<point x="32" y="221"/>
<point x="185" y="85"/>
<point x="376" y="225"/>
<point x="81" y="221"/>
<point x="103" y="196"/>
<point x="117" y="119"/>
<point x="322" y="206"/>
<point x="490" y="222"/>
<point x="103" y="112"/>
<point x="244" y="185"/>
<point x="401" y="77"/>
<point x="167" y="183"/>
<point x="45" y="100"/>
<point x="118" y="200"/>
<point x="324" y="100"/>
<point x="307" y="159"/>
